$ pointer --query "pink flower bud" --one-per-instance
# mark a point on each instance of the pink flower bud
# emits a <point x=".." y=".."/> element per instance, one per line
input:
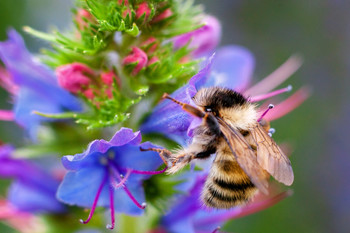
<point x="152" y="60"/>
<point x="123" y="2"/>
<point x="150" y="44"/>
<point x="142" y="9"/>
<point x="204" y="39"/>
<point x="74" y="77"/>
<point x="164" y="15"/>
<point x="109" y="77"/>
<point x="89" y="93"/>
<point x="138" y="57"/>
<point x="82" y="18"/>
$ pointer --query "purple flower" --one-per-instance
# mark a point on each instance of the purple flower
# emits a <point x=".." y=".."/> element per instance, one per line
<point x="231" y="67"/>
<point x="110" y="174"/>
<point x="38" y="89"/>
<point x="204" y="39"/>
<point x="34" y="189"/>
<point x="189" y="215"/>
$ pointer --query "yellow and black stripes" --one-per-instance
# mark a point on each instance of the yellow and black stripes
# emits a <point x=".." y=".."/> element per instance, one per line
<point x="227" y="186"/>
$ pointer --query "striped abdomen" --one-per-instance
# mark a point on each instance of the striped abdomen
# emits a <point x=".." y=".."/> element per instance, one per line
<point x="227" y="185"/>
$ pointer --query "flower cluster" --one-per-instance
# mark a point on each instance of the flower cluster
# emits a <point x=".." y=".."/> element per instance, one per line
<point x="105" y="80"/>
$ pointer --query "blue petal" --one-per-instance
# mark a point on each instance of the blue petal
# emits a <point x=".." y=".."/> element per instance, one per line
<point x="28" y="101"/>
<point x="36" y="77"/>
<point x="123" y="203"/>
<point x="232" y="68"/>
<point x="80" y="188"/>
<point x="185" y="225"/>
<point x="98" y="147"/>
<point x="31" y="199"/>
<point x="129" y="156"/>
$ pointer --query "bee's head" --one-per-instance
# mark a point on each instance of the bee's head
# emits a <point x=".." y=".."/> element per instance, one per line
<point x="213" y="99"/>
<point x="226" y="103"/>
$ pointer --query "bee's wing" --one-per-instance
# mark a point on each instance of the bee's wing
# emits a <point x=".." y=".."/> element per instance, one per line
<point x="270" y="156"/>
<point x="244" y="156"/>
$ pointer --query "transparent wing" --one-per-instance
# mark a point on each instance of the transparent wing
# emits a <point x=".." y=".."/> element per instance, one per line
<point x="244" y="155"/>
<point x="270" y="156"/>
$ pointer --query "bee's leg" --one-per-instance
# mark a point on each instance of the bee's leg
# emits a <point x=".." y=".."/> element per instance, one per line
<point x="164" y="154"/>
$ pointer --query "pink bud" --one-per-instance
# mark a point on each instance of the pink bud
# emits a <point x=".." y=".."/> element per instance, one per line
<point x="89" y="93"/>
<point x="204" y="39"/>
<point x="164" y="15"/>
<point x="142" y="9"/>
<point x="126" y="12"/>
<point x="137" y="56"/>
<point x="82" y="18"/>
<point x="74" y="77"/>
<point x="151" y="44"/>
<point x="152" y="60"/>
<point x="123" y="2"/>
<point x="109" y="92"/>
<point x="109" y="77"/>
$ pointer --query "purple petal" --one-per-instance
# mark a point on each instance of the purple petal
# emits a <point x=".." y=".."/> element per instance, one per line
<point x="31" y="199"/>
<point x="129" y="156"/>
<point x="97" y="148"/>
<point x="203" y="40"/>
<point x="126" y="136"/>
<point x="76" y="185"/>
<point x="38" y="80"/>
<point x="80" y="188"/>
<point x="169" y="118"/>
<point x="6" y="151"/>
<point x="232" y="68"/>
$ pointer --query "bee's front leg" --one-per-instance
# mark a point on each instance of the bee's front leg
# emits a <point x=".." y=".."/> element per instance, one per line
<point x="164" y="154"/>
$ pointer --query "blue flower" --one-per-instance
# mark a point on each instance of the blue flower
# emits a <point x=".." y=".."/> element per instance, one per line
<point x="189" y="215"/>
<point x="34" y="189"/>
<point x="231" y="67"/>
<point x="38" y="89"/>
<point x="110" y="174"/>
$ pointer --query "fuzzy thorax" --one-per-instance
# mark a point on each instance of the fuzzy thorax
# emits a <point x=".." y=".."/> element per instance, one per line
<point x="240" y="117"/>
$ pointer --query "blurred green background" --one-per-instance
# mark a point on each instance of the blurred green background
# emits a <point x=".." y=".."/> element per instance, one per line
<point x="318" y="130"/>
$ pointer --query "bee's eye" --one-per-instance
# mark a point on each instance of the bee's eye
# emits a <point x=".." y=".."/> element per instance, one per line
<point x="208" y="109"/>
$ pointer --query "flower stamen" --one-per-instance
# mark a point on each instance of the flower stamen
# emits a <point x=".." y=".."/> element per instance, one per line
<point x="148" y="172"/>
<point x="271" y="106"/>
<point x="95" y="200"/>
<point x="122" y="181"/>
<point x="141" y="206"/>
<point x="111" y="205"/>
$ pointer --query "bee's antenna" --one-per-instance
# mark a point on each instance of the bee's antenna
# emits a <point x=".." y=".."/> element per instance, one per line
<point x="167" y="96"/>
<point x="271" y="106"/>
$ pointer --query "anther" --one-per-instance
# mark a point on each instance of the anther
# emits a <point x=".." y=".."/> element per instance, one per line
<point x="144" y="204"/>
<point x="271" y="106"/>
<point x="121" y="176"/>
<point x="272" y="130"/>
